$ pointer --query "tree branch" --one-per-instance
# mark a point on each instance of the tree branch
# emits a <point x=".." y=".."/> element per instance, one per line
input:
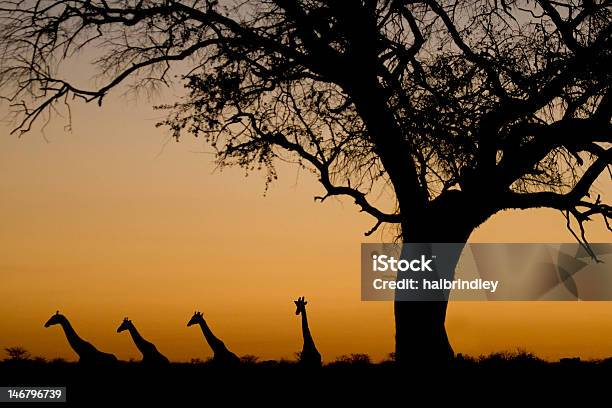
<point x="331" y="189"/>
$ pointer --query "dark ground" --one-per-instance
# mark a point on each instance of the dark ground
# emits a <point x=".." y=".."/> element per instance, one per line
<point x="497" y="380"/>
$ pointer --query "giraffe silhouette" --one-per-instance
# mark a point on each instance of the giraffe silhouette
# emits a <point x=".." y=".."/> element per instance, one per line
<point x="309" y="356"/>
<point x="150" y="354"/>
<point x="87" y="353"/>
<point x="221" y="355"/>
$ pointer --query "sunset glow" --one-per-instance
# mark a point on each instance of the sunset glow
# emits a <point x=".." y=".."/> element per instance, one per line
<point x="112" y="220"/>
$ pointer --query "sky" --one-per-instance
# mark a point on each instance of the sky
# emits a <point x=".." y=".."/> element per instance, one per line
<point x="113" y="219"/>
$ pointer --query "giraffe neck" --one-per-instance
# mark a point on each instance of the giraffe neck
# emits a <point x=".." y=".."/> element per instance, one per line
<point x="143" y="345"/>
<point x="77" y="343"/>
<point x="308" y="341"/>
<point x="215" y="344"/>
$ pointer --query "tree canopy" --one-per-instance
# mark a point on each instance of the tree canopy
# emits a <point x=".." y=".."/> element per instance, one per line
<point x="469" y="106"/>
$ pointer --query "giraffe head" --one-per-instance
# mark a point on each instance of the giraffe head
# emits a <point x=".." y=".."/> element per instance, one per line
<point x="300" y="304"/>
<point x="197" y="318"/>
<point x="57" y="318"/>
<point x="125" y="325"/>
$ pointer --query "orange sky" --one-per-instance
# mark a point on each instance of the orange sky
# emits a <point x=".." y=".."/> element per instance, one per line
<point x="110" y="221"/>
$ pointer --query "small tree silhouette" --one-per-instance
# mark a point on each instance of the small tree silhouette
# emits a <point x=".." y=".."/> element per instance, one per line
<point x="17" y="353"/>
<point x="354" y="358"/>
<point x="249" y="359"/>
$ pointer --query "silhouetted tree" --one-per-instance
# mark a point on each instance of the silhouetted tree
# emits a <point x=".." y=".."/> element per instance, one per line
<point x="354" y="358"/>
<point x="460" y="109"/>
<point x="249" y="359"/>
<point x="17" y="353"/>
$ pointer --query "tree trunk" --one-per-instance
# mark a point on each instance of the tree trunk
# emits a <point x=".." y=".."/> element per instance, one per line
<point x="420" y="332"/>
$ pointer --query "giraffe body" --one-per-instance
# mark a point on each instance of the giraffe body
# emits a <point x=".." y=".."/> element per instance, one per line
<point x="150" y="354"/>
<point x="309" y="356"/>
<point x="88" y="354"/>
<point x="221" y="354"/>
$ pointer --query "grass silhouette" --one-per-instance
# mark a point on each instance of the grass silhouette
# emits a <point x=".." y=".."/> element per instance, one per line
<point x="348" y="378"/>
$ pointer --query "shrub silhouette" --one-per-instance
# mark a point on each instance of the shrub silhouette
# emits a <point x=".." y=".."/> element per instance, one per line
<point x="249" y="359"/>
<point x="17" y="353"/>
<point x="518" y="357"/>
<point x="354" y="359"/>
